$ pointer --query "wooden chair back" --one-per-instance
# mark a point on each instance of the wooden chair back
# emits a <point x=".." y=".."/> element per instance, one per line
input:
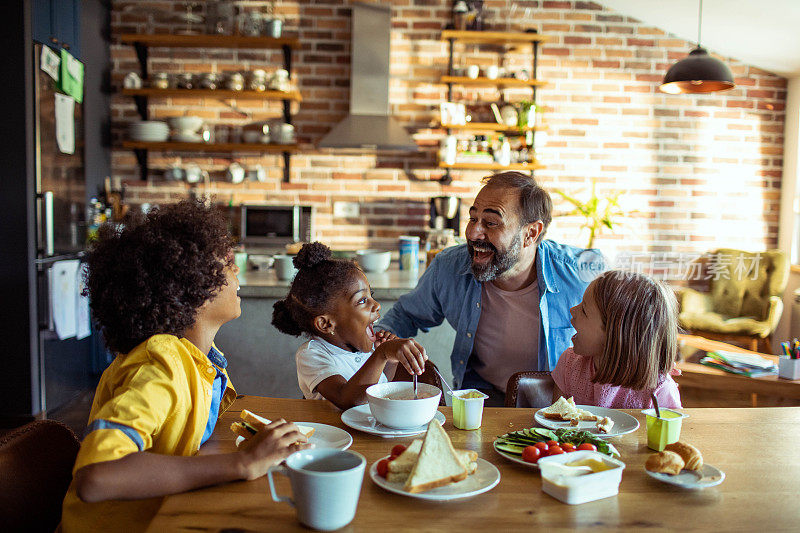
<point x="529" y="389"/>
<point x="36" y="463"/>
<point x="429" y="376"/>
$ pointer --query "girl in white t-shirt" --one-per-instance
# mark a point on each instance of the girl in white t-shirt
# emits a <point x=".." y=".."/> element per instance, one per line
<point x="331" y="302"/>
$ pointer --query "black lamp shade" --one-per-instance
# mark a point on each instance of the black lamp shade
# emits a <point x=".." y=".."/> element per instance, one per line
<point x="697" y="73"/>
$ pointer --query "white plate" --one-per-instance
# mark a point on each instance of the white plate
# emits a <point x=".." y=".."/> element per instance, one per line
<point x="485" y="478"/>
<point x="187" y="137"/>
<point x="708" y="476"/>
<point x="360" y="418"/>
<point x="514" y="457"/>
<point x="623" y="422"/>
<point x="325" y="436"/>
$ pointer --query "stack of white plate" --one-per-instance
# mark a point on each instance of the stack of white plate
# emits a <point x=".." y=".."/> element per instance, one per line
<point x="149" y="131"/>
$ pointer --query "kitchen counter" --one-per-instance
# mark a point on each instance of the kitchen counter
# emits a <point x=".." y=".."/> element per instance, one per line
<point x="389" y="285"/>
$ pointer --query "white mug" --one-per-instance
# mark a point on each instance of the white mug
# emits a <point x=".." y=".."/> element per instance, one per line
<point x="235" y="173"/>
<point x="492" y="71"/>
<point x="473" y="71"/>
<point x="326" y="484"/>
<point x="257" y="173"/>
<point x="194" y="174"/>
<point x="284" y="267"/>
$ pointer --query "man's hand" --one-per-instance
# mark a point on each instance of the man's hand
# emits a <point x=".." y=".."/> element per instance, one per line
<point x="273" y="443"/>
<point x="407" y="352"/>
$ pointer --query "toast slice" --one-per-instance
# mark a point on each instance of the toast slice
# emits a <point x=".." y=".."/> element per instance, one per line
<point x="401" y="466"/>
<point x="563" y="409"/>
<point x="437" y="464"/>
<point x="250" y="423"/>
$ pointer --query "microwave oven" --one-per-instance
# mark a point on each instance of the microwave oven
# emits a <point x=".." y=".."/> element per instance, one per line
<point x="275" y="226"/>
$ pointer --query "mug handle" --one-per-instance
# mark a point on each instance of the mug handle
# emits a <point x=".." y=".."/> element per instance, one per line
<point x="281" y="470"/>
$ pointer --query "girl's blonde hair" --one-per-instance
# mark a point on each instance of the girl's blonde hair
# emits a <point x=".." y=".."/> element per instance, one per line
<point x="640" y="318"/>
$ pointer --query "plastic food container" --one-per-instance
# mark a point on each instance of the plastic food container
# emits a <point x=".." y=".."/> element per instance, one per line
<point x="664" y="430"/>
<point x="582" y="488"/>
<point x="467" y="408"/>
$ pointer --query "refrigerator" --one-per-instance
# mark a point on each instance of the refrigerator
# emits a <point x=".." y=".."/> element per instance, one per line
<point x="61" y="367"/>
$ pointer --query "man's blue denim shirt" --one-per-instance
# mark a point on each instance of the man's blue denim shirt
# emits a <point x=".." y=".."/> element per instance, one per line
<point x="448" y="290"/>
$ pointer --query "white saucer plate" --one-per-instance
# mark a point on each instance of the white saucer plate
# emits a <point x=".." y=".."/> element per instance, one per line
<point x="360" y="418"/>
<point x="623" y="422"/>
<point x="324" y="436"/>
<point x="708" y="476"/>
<point x="486" y="477"/>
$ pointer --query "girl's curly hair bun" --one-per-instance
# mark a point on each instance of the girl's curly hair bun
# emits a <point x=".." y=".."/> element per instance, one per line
<point x="312" y="254"/>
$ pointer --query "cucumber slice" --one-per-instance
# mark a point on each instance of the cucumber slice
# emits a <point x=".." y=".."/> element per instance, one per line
<point x="510" y="448"/>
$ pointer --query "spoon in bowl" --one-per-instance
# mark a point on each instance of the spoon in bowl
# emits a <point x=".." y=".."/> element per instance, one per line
<point x="415" y="386"/>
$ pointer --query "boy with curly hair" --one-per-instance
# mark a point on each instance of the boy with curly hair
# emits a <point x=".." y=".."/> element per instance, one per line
<point x="160" y="288"/>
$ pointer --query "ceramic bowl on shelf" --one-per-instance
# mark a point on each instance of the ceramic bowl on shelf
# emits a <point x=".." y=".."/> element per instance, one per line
<point x="185" y="124"/>
<point x="373" y="260"/>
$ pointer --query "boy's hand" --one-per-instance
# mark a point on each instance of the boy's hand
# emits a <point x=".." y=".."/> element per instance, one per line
<point x="383" y="336"/>
<point x="407" y="352"/>
<point x="272" y="444"/>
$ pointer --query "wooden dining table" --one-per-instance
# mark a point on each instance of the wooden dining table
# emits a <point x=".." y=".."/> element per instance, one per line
<point x="757" y="449"/>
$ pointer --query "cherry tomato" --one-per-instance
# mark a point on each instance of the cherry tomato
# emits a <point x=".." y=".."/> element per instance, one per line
<point x="554" y="450"/>
<point x="567" y="447"/>
<point x="551" y="443"/>
<point x="588" y="446"/>
<point x="383" y="467"/>
<point x="397" y="450"/>
<point x="542" y="446"/>
<point x="531" y="454"/>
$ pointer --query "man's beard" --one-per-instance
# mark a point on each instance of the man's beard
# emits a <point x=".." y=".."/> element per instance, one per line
<point x="501" y="261"/>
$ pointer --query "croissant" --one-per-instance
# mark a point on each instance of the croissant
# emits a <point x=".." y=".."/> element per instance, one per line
<point x="665" y="462"/>
<point x="690" y="455"/>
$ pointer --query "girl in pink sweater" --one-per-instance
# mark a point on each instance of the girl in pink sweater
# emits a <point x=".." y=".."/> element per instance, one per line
<point x="625" y="346"/>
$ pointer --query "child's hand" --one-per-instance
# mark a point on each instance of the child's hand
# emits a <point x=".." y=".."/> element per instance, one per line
<point x="271" y="445"/>
<point x="407" y="352"/>
<point x="383" y="336"/>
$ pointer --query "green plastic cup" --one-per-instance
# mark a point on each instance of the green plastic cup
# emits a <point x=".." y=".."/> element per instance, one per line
<point x="662" y="430"/>
<point x="467" y="408"/>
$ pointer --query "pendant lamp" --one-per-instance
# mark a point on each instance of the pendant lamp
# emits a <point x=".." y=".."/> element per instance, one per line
<point x="699" y="72"/>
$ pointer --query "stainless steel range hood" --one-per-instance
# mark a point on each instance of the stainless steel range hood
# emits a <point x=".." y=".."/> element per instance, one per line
<point x="369" y="126"/>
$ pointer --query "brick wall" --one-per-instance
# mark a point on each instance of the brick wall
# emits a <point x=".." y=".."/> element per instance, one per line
<point x="697" y="171"/>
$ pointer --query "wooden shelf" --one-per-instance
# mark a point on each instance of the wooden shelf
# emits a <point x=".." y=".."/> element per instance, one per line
<point x="493" y="37"/>
<point x="168" y="146"/>
<point x="209" y="41"/>
<point x="491" y="166"/>
<point x="486" y="126"/>
<point x="215" y="93"/>
<point x="464" y="80"/>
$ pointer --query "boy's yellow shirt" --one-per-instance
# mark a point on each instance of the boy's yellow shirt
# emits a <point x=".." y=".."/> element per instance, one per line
<point x="156" y="398"/>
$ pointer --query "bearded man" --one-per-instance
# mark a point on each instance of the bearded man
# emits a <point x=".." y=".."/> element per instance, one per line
<point x="507" y="292"/>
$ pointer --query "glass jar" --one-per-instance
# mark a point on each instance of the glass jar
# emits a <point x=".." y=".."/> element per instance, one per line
<point x="160" y="80"/>
<point x="235" y="82"/>
<point x="209" y="80"/>
<point x="185" y="81"/>
<point x="257" y="80"/>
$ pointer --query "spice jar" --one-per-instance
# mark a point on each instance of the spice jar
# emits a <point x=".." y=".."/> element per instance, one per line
<point x="160" y="80"/>
<point x="185" y="81"/>
<point x="235" y="82"/>
<point x="257" y="80"/>
<point x="210" y="81"/>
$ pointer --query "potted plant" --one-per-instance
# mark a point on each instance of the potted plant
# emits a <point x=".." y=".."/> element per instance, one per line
<point x="598" y="212"/>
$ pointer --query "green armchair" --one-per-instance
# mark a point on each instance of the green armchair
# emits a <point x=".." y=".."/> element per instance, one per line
<point x="744" y="303"/>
